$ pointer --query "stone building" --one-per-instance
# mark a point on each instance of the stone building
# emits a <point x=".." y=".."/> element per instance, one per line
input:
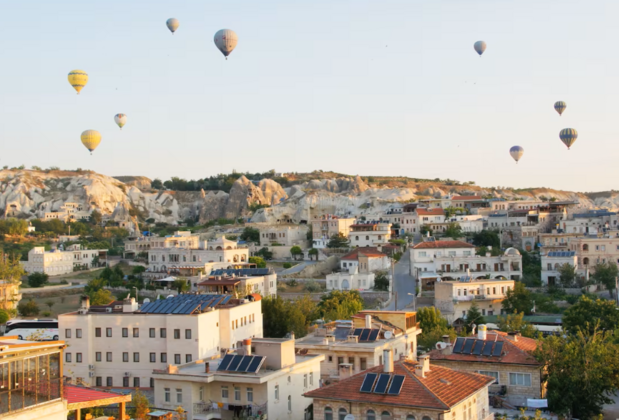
<point x="455" y="298"/>
<point x="324" y="227"/>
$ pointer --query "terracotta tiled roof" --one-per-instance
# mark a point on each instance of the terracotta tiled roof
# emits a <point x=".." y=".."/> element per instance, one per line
<point x="443" y="244"/>
<point x="514" y="352"/>
<point x="466" y="197"/>
<point x="430" y="212"/>
<point x="442" y="388"/>
<point x="367" y="251"/>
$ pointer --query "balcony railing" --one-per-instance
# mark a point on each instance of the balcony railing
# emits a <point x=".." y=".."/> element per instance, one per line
<point x="25" y="395"/>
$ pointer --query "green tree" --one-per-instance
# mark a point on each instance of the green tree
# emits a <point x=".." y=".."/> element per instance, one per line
<point x="156" y="184"/>
<point x="138" y="269"/>
<point x="487" y="238"/>
<point x="340" y="305"/>
<point x="50" y="303"/>
<point x="338" y="240"/>
<point x="95" y="218"/>
<point x="313" y="253"/>
<point x="141" y="406"/>
<point x="582" y="372"/>
<point x="606" y="273"/>
<point x="310" y="233"/>
<point x="588" y="314"/>
<point x="295" y="251"/>
<point x="107" y="273"/>
<point x="425" y="229"/>
<point x="101" y="297"/>
<point x="518" y="300"/>
<point x="281" y="317"/>
<point x="37" y="279"/>
<point x="454" y="231"/>
<point x="433" y="327"/>
<point x="4" y="316"/>
<point x="250" y="234"/>
<point x="260" y="262"/>
<point x="10" y="268"/>
<point x="474" y="316"/>
<point x="264" y="253"/>
<point x="567" y="274"/>
<point x="516" y="322"/>
<point x="28" y="308"/>
<point x="180" y="284"/>
<point x="381" y="281"/>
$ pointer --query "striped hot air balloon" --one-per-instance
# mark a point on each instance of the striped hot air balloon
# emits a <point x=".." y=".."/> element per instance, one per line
<point x="480" y="47"/>
<point x="78" y="79"/>
<point x="120" y="119"/>
<point x="226" y="40"/>
<point x="516" y="152"/>
<point x="91" y="139"/>
<point x="560" y="107"/>
<point x="568" y="136"/>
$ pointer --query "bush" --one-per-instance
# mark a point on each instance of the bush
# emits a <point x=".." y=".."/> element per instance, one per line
<point x="47" y="313"/>
<point x="312" y="286"/>
<point x="37" y="279"/>
<point x="292" y="283"/>
<point x="4" y="316"/>
<point x="287" y="265"/>
<point x="28" y="308"/>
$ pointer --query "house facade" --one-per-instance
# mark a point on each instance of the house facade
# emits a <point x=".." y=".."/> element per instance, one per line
<point x="358" y="269"/>
<point x="369" y="234"/>
<point x="59" y="261"/>
<point x="324" y="227"/>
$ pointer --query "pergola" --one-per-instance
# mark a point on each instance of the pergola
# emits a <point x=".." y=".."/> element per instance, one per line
<point x="79" y="397"/>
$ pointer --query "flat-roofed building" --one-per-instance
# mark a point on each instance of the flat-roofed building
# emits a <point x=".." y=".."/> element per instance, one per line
<point x="59" y="261"/>
<point x="324" y="227"/>
<point x="455" y="298"/>
<point x="369" y="234"/>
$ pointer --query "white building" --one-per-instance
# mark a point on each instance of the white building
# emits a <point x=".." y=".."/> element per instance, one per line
<point x="323" y="228"/>
<point x="285" y="234"/>
<point x="369" y="234"/>
<point x="58" y="261"/>
<point x="358" y="269"/>
<point x="553" y="261"/>
<point x="265" y="377"/>
<point x="243" y="281"/>
<point x="180" y="239"/>
<point x="119" y="345"/>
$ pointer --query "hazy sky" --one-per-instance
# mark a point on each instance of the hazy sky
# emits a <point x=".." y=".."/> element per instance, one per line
<point x="378" y="87"/>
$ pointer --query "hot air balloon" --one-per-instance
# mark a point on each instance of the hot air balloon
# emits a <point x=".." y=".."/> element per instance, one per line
<point x="78" y="79"/>
<point x="560" y="107"/>
<point x="480" y="47"/>
<point x="120" y="119"/>
<point x="568" y="136"/>
<point x="172" y="24"/>
<point x="225" y="40"/>
<point x="91" y="139"/>
<point x="516" y="152"/>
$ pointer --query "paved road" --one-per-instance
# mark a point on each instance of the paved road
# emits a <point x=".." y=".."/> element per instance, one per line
<point x="403" y="284"/>
<point x="297" y="267"/>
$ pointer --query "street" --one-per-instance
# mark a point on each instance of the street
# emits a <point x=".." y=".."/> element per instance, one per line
<point x="403" y="284"/>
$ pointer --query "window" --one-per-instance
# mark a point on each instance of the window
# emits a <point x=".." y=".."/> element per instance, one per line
<point x="224" y="392"/>
<point x="177" y="359"/>
<point x="98" y="356"/>
<point x="289" y="403"/>
<point x="426" y="418"/>
<point x="109" y="381"/>
<point x="151" y="332"/>
<point x="305" y="380"/>
<point x="98" y="381"/>
<point x="188" y="334"/>
<point x="136" y="357"/>
<point x="370" y="415"/>
<point x="97" y="332"/>
<point x="177" y="334"/>
<point x="520" y="379"/>
<point x="311" y="378"/>
<point x="78" y="333"/>
<point x="78" y="357"/>
<point x="125" y="332"/>
<point x="162" y="333"/>
<point x="250" y="394"/>
<point x="67" y="333"/>
<point x="330" y="359"/>
<point x="328" y="413"/>
<point x="201" y="393"/>
<point x="153" y="357"/>
<point x="363" y="363"/>
<point x="166" y="394"/>
<point x="136" y="382"/>
<point x="237" y="393"/>
<point x="108" y="332"/>
<point x="125" y="357"/>
<point x="340" y="360"/>
<point x="108" y="356"/>
<point x="187" y="358"/>
<point x="422" y="254"/>
<point x="67" y="357"/>
<point x="385" y="415"/>
<point x="164" y="357"/>
<point x="179" y="395"/>
<point x="136" y="332"/>
<point x="351" y="360"/>
<point x="276" y="392"/>
<point x="341" y="413"/>
<point x="411" y="417"/>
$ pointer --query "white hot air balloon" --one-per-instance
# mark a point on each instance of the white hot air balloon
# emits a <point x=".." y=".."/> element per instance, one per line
<point x="516" y="152"/>
<point x="226" y="40"/>
<point x="121" y="120"/>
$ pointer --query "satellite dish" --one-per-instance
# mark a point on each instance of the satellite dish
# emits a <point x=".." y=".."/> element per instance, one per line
<point x="388" y="334"/>
<point x="170" y="296"/>
<point x="146" y="300"/>
<point x="440" y="345"/>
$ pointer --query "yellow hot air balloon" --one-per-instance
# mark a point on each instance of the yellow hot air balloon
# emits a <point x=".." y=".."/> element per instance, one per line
<point x="91" y="139"/>
<point x="78" y="79"/>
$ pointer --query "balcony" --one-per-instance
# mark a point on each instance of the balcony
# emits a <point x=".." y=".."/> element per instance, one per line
<point x="32" y="394"/>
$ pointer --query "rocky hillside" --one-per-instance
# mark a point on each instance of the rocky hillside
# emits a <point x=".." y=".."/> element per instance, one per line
<point x="30" y="194"/>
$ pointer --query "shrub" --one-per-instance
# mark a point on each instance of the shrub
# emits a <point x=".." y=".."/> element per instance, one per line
<point x="28" y="308"/>
<point x="37" y="279"/>
<point x="47" y="313"/>
<point x="287" y="265"/>
<point x="312" y="286"/>
<point x="292" y="283"/>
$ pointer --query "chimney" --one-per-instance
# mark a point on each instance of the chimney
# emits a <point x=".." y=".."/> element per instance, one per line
<point x="423" y="366"/>
<point x="368" y="321"/>
<point x="130" y="305"/>
<point x="353" y="338"/>
<point x="514" y="335"/>
<point x="292" y="335"/>
<point x="388" y="361"/>
<point x="481" y="332"/>
<point x="345" y="371"/>
<point x="207" y="367"/>
<point x="247" y="346"/>
<point x="85" y="302"/>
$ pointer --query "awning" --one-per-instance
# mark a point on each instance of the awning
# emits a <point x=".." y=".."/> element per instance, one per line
<point x="537" y="403"/>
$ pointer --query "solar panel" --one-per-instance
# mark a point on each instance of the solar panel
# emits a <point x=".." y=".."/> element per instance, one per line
<point x="468" y="345"/>
<point x="381" y="384"/>
<point x="357" y="331"/>
<point x="488" y="348"/>
<point x="183" y="304"/>
<point x="245" y="363"/>
<point x="373" y="335"/>
<point x="478" y="346"/>
<point x="498" y="348"/>
<point x="458" y="345"/>
<point x="365" y="334"/>
<point x="396" y="385"/>
<point x="225" y="362"/>
<point x="255" y="364"/>
<point x="368" y="382"/>
<point x="236" y="360"/>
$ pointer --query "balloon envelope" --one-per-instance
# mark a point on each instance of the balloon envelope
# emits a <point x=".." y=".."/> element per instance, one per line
<point x="480" y="47"/>
<point x="78" y="79"/>
<point x="516" y="152"/>
<point x="91" y="139"/>
<point x="226" y="40"/>
<point x="568" y="136"/>
<point x="120" y="119"/>
<point x="560" y="107"/>
<point x="172" y="24"/>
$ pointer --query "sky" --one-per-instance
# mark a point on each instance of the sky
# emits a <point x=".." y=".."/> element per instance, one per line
<point x="389" y="87"/>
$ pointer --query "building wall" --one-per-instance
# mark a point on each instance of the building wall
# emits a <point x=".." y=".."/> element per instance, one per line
<point x="179" y="257"/>
<point x="551" y="265"/>
<point x="247" y="321"/>
<point x="51" y="411"/>
<point x="350" y="281"/>
<point x="369" y="238"/>
<point x="455" y="298"/>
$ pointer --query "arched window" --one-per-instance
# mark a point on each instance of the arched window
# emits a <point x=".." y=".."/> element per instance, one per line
<point x="410" y="417"/>
<point x="385" y="415"/>
<point x="426" y="418"/>
<point x="328" y="413"/>
<point x="585" y="247"/>
<point x="342" y="413"/>
<point x="585" y="261"/>
<point x="370" y="415"/>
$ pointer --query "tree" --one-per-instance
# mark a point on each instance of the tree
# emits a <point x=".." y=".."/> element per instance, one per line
<point x="338" y="240"/>
<point x="454" y="231"/>
<point x="4" y="316"/>
<point x="28" y="308"/>
<point x="381" y="281"/>
<point x="264" y="253"/>
<point x="474" y="316"/>
<point x="567" y="274"/>
<point x="605" y="273"/>
<point x="156" y="184"/>
<point x="433" y="327"/>
<point x="96" y="218"/>
<point x="138" y="269"/>
<point x="313" y="252"/>
<point x="340" y="305"/>
<point x="425" y="229"/>
<point x="295" y="251"/>
<point x="487" y="238"/>
<point x="37" y="279"/>
<point x="180" y="284"/>
<point x="310" y="233"/>
<point x="518" y="299"/>
<point x="50" y="303"/>
<point x="582" y="371"/>
<point x="250" y="234"/>
<point x="260" y="263"/>
<point x="10" y="268"/>
<point x="101" y="297"/>
<point x="516" y="322"/>
<point x="141" y="406"/>
<point x="587" y="314"/>
<point x="281" y="317"/>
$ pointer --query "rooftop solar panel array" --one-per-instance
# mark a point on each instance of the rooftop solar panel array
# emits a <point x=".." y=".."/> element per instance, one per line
<point x="183" y="304"/>
<point x="477" y="347"/>
<point x="367" y="334"/>
<point x="241" y="272"/>
<point x="384" y="383"/>
<point x="239" y="363"/>
<point x="561" y="253"/>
